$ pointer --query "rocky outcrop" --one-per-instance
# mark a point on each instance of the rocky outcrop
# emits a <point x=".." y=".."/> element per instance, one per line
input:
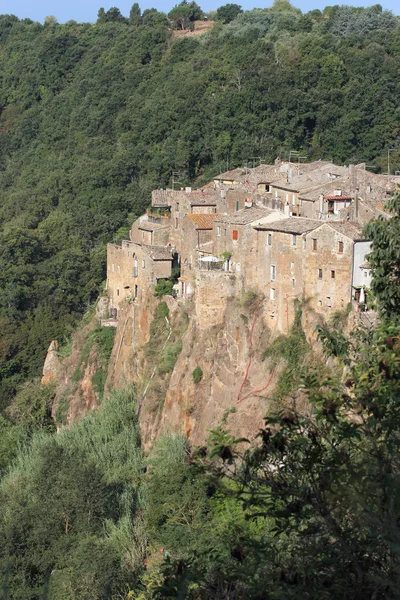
<point x="52" y="365"/>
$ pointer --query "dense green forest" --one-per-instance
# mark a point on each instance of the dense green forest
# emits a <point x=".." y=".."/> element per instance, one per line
<point x="93" y="116"/>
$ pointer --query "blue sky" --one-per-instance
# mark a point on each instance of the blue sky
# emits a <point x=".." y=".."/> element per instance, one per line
<point x="86" y="10"/>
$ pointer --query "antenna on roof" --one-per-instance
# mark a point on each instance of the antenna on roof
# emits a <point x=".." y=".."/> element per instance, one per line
<point x="254" y="158"/>
<point x="174" y="181"/>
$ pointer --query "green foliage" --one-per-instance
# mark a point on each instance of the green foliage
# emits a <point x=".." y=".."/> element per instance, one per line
<point x="197" y="375"/>
<point x="177" y="521"/>
<point x="185" y="13"/>
<point x="31" y="407"/>
<point x="385" y="260"/>
<point x="228" y="12"/>
<point x="293" y="350"/>
<point x="249" y="299"/>
<point x="168" y="357"/>
<point x="164" y="287"/>
<point x="101" y="340"/>
<point x="321" y="488"/>
<point x="57" y="500"/>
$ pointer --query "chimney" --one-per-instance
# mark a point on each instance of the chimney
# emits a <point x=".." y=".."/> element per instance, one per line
<point x="353" y="177"/>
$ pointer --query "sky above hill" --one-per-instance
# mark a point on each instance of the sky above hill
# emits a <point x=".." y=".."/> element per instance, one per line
<point x="87" y="11"/>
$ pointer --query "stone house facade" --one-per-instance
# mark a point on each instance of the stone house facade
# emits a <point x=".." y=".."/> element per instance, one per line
<point x="287" y="231"/>
<point x="133" y="269"/>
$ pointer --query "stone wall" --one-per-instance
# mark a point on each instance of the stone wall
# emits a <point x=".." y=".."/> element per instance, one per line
<point x="327" y="273"/>
<point x="213" y="288"/>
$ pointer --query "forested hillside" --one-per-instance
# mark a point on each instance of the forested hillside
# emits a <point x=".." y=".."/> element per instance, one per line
<point x="93" y="116"/>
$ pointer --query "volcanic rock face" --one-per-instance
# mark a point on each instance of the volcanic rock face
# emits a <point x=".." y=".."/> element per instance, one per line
<point x="52" y="365"/>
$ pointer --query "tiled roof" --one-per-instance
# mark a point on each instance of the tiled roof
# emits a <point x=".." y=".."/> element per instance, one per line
<point x="245" y="216"/>
<point x="203" y="221"/>
<point x="350" y="229"/>
<point x="341" y="197"/>
<point x="163" y="197"/>
<point x="149" y="226"/>
<point x="158" y="252"/>
<point x="160" y="198"/>
<point x="295" y="225"/>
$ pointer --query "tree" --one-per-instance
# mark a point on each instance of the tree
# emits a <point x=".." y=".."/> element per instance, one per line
<point x="321" y="487"/>
<point x="385" y="260"/>
<point x="228" y="12"/>
<point x="113" y="15"/>
<point x="185" y="13"/>
<point x="284" y="6"/>
<point x="135" y="14"/>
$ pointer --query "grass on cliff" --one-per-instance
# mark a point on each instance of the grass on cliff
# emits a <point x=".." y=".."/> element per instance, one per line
<point x="101" y="339"/>
<point x="292" y="349"/>
<point x="163" y="349"/>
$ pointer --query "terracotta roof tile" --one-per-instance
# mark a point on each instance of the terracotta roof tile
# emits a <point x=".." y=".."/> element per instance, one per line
<point x="203" y="221"/>
<point x="342" y="197"/>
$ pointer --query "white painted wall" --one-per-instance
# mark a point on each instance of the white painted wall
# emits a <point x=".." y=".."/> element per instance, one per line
<point x="361" y="277"/>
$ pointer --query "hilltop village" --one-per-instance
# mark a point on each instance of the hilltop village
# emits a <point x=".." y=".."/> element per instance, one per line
<point x="285" y="231"/>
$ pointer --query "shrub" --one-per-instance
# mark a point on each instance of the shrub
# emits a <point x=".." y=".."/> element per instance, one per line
<point x="197" y="375"/>
<point x="164" y="287"/>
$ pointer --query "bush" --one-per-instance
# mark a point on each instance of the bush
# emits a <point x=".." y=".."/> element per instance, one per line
<point x="164" y="287"/>
<point x="197" y="375"/>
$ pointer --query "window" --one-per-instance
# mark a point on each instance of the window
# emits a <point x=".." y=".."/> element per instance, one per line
<point x="112" y="267"/>
<point x="273" y="272"/>
<point x="225" y="232"/>
<point x="294" y="240"/>
<point x="319" y="273"/>
<point x="136" y="291"/>
<point x="119" y="269"/>
<point x="340" y="247"/>
<point x="143" y="264"/>
<point x="267" y="187"/>
<point x="177" y="206"/>
<point x="328" y="302"/>
<point x="176" y="222"/>
<point x="333" y="274"/>
<point x="142" y="235"/>
<point x="272" y="294"/>
<point x="304" y="243"/>
<point x="293" y="282"/>
<point x="314" y="244"/>
<point x="293" y="200"/>
<point x="235" y="234"/>
<point x="218" y="231"/>
<point x="237" y="204"/>
<point x="291" y="266"/>
<point x="117" y="292"/>
<point x="269" y="239"/>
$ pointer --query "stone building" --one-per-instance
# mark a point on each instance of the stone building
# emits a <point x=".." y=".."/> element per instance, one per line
<point x="151" y="230"/>
<point x="133" y="269"/>
<point x="287" y="231"/>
